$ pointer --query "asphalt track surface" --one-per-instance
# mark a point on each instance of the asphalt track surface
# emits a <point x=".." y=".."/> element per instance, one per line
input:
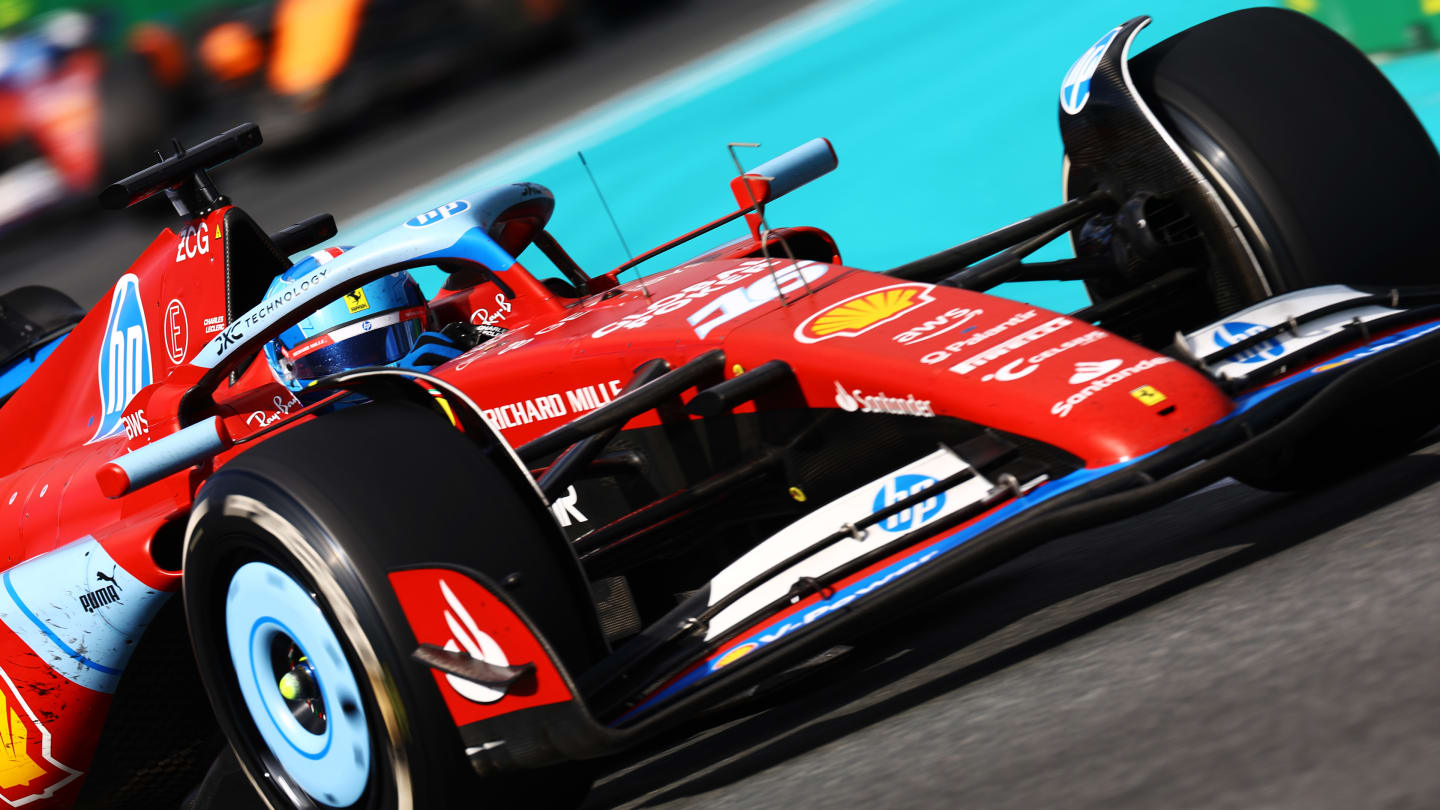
<point x="1233" y="649"/>
<point x="1236" y="648"/>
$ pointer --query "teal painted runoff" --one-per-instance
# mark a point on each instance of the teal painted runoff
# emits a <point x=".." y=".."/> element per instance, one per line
<point x="943" y="114"/>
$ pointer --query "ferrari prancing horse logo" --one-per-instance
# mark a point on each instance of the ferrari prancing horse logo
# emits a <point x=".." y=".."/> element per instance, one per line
<point x="355" y="301"/>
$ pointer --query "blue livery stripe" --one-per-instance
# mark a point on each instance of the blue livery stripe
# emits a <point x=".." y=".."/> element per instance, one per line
<point x="65" y="648"/>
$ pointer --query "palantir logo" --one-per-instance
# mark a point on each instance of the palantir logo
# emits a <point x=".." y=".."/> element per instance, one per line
<point x="1233" y="332"/>
<point x="1075" y="89"/>
<point x="466" y="635"/>
<point x="915" y="515"/>
<point x="124" y="362"/>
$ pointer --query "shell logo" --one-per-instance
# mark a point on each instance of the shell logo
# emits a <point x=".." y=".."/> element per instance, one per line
<point x="734" y="655"/>
<point x="862" y="312"/>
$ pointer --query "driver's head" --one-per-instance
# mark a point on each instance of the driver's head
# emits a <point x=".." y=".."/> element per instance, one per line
<point x="375" y="325"/>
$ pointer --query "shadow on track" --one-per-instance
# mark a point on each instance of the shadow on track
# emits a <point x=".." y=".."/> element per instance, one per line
<point x="1034" y="604"/>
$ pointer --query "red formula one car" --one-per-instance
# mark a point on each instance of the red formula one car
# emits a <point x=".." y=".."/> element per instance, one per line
<point x="410" y="588"/>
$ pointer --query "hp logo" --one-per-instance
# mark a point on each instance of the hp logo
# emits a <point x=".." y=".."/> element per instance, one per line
<point x="124" y="364"/>
<point x="1075" y="89"/>
<point x="915" y="515"/>
<point x="1235" y="331"/>
<point x="435" y="215"/>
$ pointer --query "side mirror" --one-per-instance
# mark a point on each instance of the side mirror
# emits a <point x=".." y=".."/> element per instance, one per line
<point x="781" y="175"/>
<point x="769" y="181"/>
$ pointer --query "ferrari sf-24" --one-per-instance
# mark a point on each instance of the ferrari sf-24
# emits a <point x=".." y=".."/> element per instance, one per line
<point x="445" y="552"/>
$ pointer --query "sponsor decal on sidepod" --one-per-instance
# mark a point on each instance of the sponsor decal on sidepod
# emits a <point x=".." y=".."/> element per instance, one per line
<point x="124" y="363"/>
<point x="855" y="400"/>
<point x="1063" y="408"/>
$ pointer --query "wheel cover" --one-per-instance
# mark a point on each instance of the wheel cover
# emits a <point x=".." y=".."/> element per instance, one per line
<point x="267" y="610"/>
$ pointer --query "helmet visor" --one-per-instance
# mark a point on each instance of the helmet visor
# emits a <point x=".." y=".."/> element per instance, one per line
<point x="375" y="341"/>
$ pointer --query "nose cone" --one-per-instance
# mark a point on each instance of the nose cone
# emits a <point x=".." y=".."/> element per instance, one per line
<point x="869" y="344"/>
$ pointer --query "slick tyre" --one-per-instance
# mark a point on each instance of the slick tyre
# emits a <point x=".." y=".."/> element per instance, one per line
<point x="1325" y="169"/>
<point x="1324" y="166"/>
<point x="299" y="638"/>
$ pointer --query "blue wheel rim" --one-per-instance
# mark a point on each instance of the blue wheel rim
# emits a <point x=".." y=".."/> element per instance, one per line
<point x="264" y="607"/>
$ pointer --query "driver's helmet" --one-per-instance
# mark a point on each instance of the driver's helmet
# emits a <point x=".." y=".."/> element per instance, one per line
<point x="375" y="325"/>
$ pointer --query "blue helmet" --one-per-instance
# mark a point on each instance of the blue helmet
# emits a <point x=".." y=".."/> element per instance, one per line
<point x="375" y="325"/>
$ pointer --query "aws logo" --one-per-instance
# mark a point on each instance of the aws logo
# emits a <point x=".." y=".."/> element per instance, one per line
<point x="124" y="363"/>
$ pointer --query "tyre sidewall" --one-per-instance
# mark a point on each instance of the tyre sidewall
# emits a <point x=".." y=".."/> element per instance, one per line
<point x="240" y="518"/>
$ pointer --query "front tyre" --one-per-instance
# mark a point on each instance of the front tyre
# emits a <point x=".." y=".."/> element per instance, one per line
<point x="320" y="712"/>
<point x="1322" y="163"/>
<point x="300" y="639"/>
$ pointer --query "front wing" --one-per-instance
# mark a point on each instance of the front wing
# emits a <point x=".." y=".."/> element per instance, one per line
<point x="1292" y="364"/>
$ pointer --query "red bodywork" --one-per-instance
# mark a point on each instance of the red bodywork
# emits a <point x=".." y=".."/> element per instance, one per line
<point x="856" y="340"/>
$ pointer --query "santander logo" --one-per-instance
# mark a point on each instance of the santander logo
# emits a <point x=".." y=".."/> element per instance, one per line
<point x="466" y="636"/>
<point x="1087" y="370"/>
<point x="856" y="400"/>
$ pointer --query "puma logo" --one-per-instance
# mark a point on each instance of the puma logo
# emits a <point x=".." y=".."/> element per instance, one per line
<point x="101" y="576"/>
